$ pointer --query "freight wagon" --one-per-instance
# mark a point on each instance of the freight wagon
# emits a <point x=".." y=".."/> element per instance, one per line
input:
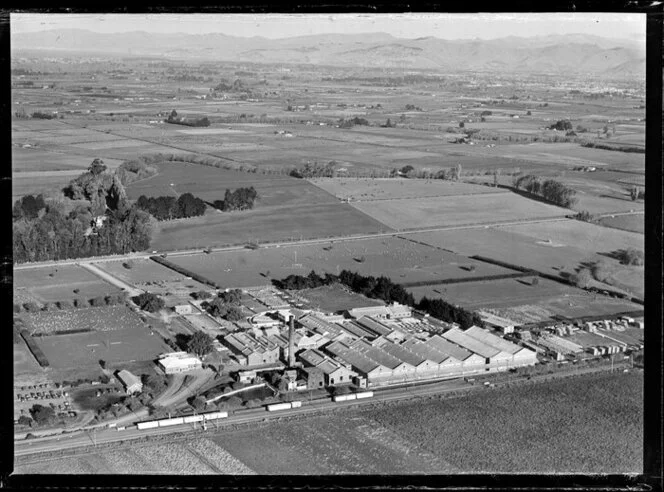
<point x="364" y="394"/>
<point x="215" y="415"/>
<point x="147" y="425"/>
<point x="169" y="422"/>
<point x="284" y="406"/>
<point x="193" y="418"/>
<point x="338" y="398"/>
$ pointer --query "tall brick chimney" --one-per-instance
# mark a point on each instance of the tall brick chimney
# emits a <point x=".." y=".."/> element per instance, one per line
<point x="291" y="341"/>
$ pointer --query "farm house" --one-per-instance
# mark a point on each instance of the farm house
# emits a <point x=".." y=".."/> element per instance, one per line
<point x="131" y="382"/>
<point x="179" y="362"/>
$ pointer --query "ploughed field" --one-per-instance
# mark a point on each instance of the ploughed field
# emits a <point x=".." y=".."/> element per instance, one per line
<point x="397" y="258"/>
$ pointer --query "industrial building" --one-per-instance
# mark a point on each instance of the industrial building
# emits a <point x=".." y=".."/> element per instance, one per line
<point x="315" y="377"/>
<point x="314" y="324"/>
<point x="505" y="326"/>
<point x="131" y="382"/>
<point x="334" y="372"/>
<point x="521" y="356"/>
<point x="179" y="362"/>
<point x="252" y="350"/>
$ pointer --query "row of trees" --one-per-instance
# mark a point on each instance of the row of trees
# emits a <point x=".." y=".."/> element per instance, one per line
<point x="315" y="170"/>
<point x="551" y="190"/>
<point x="383" y="288"/>
<point x="350" y="123"/>
<point x="169" y="207"/>
<point x="109" y="300"/>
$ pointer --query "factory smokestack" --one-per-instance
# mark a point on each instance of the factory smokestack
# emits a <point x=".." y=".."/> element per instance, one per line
<point x="291" y="341"/>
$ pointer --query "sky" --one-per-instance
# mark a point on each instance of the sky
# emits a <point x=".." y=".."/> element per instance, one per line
<point x="445" y="26"/>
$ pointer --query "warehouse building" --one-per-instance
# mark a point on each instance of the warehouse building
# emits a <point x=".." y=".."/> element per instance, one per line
<point x="559" y="345"/>
<point x="375" y="311"/>
<point x="446" y="364"/>
<point x="252" y="350"/>
<point x="504" y="325"/>
<point x="494" y="358"/>
<point x="179" y="362"/>
<point x="131" y="382"/>
<point x="329" y="330"/>
<point x="470" y="361"/>
<point x="521" y="356"/>
<point x="334" y="372"/>
<point x="376" y="328"/>
<point x="399" y="368"/>
<point x="365" y="367"/>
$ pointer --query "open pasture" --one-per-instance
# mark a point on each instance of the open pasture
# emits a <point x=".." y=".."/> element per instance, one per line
<point x="264" y="225"/>
<point x="210" y="183"/>
<point x="456" y="210"/>
<point x="24" y="361"/>
<point x="367" y="189"/>
<point x="345" y="442"/>
<point x="632" y="223"/>
<point x="585" y="236"/>
<point x="31" y="160"/>
<point x="552" y="299"/>
<point x="399" y="259"/>
<point x="142" y="271"/>
<point x="107" y="318"/>
<point x="57" y="283"/>
<point x="86" y="349"/>
<point x="589" y="424"/>
<point x="49" y="185"/>
<point x="333" y="298"/>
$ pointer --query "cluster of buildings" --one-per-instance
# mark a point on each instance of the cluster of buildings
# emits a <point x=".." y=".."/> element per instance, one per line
<point x="373" y="346"/>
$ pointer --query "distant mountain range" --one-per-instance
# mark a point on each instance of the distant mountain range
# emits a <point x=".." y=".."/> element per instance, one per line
<point x="575" y="53"/>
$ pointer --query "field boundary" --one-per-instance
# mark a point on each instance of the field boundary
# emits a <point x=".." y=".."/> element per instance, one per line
<point x="424" y="283"/>
<point x="34" y="349"/>
<point x="184" y="271"/>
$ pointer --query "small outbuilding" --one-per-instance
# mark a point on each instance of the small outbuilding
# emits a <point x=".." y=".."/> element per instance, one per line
<point x="131" y="382"/>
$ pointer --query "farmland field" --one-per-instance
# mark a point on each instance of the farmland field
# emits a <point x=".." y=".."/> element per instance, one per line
<point x="85" y="349"/>
<point x="529" y="246"/>
<point x="366" y="189"/>
<point x="632" y="223"/>
<point x="333" y="298"/>
<point x="24" y="160"/>
<point x="24" y="361"/>
<point x="342" y="442"/>
<point x="458" y="210"/>
<point x="210" y="183"/>
<point x="397" y="258"/>
<point x="546" y="300"/>
<point x="264" y="225"/>
<point x="200" y="456"/>
<point x="590" y="424"/>
<point x="108" y="318"/>
<point x="38" y="283"/>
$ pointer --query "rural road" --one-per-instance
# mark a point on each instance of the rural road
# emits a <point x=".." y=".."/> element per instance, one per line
<point x="102" y="436"/>
<point x="100" y="259"/>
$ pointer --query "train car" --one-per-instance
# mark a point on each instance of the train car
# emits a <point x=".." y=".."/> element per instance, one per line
<point x="278" y="406"/>
<point x="364" y="394"/>
<point x="296" y="404"/>
<point x="169" y="422"/>
<point x="215" y="415"/>
<point x="120" y="428"/>
<point x="147" y="425"/>
<point x="193" y="418"/>
<point x="338" y="398"/>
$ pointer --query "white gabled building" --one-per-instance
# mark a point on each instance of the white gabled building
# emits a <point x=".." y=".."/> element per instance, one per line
<point x="179" y="362"/>
<point x="131" y="382"/>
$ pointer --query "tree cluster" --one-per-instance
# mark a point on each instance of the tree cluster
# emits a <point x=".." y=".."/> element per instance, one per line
<point x="551" y="190"/>
<point x="631" y="256"/>
<point x="28" y="207"/>
<point x="315" y="170"/>
<point x="220" y="308"/>
<point x="383" y="288"/>
<point x="240" y="199"/>
<point x="173" y="118"/>
<point x="350" y="123"/>
<point x="200" y="344"/>
<point x="56" y="236"/>
<point x="42" y="415"/>
<point x="149" y="302"/>
<point x="169" y="207"/>
<point x="43" y="116"/>
<point x="561" y="125"/>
